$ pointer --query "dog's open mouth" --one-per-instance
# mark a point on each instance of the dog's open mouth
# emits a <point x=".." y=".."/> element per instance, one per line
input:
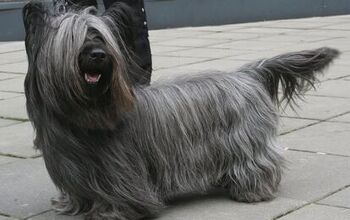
<point x="92" y="78"/>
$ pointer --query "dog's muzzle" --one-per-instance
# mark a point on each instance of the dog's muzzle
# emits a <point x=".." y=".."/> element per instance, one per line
<point x="95" y="64"/>
<point x="97" y="56"/>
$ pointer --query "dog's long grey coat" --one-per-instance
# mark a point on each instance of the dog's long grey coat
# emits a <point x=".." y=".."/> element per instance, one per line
<point x="126" y="156"/>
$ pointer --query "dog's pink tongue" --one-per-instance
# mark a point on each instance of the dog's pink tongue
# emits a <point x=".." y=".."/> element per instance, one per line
<point x="92" y="78"/>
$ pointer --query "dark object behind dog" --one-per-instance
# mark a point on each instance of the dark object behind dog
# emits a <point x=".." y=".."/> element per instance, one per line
<point x="121" y="152"/>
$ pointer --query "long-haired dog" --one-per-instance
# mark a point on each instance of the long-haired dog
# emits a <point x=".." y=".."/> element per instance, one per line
<point x="117" y="151"/>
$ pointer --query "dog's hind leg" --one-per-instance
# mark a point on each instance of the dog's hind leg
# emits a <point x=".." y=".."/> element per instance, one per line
<point x="255" y="173"/>
<point x="255" y="167"/>
<point x="255" y="179"/>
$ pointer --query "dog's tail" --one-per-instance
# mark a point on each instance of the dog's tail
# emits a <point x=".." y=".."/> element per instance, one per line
<point x="295" y="72"/>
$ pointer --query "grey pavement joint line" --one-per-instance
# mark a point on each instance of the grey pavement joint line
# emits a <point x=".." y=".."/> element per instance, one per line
<point x="12" y="91"/>
<point x="311" y="202"/>
<point x="11" y="77"/>
<point x="336" y="78"/>
<point x="12" y="51"/>
<point x="14" y="62"/>
<point x="7" y="216"/>
<point x="14" y="119"/>
<point x="13" y="156"/>
<point x="314" y="152"/>
<point x="37" y="214"/>
<point x="302" y="127"/>
<point x="337" y="206"/>
<point x="20" y="157"/>
<point x="221" y="57"/>
<point x="315" y="123"/>
<point x="291" y="211"/>
<point x="285" y="26"/>
<point x="296" y="117"/>
<point x="327" y="96"/>
<point x="9" y="72"/>
<point x="188" y="64"/>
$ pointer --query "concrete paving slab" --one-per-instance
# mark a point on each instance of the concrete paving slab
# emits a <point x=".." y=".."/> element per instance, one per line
<point x="233" y="27"/>
<point x="168" y="34"/>
<point x="5" y="122"/>
<point x="335" y="72"/>
<point x="170" y="73"/>
<point x="12" y="46"/>
<point x="306" y="24"/>
<point x="343" y="26"/>
<point x="223" y="208"/>
<point x="308" y="170"/>
<point x="158" y="49"/>
<point x="9" y="95"/>
<point x="6" y="218"/>
<point x="343" y="118"/>
<point x="266" y="30"/>
<point x="206" y="53"/>
<point x="14" y="108"/>
<point x="319" y="212"/>
<point x="4" y="76"/>
<point x="251" y="55"/>
<point x="340" y="44"/>
<point x="233" y="36"/>
<point x="209" y="208"/>
<point x="254" y="45"/>
<point x="191" y="42"/>
<point x="339" y="199"/>
<point x="13" y="85"/>
<point x="332" y="138"/>
<point x="317" y="32"/>
<point x="224" y="64"/>
<point x="161" y="62"/>
<point x="17" y="140"/>
<point x="13" y="57"/>
<point x="309" y="177"/>
<point x="293" y="38"/>
<point x="291" y="124"/>
<point x="333" y="88"/>
<point x="345" y="57"/>
<point x="316" y="107"/>
<point x="25" y="188"/>
<point x="14" y="67"/>
<point x="54" y="216"/>
<point x="6" y="160"/>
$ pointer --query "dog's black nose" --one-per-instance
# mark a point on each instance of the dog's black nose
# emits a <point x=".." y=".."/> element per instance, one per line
<point x="97" y="54"/>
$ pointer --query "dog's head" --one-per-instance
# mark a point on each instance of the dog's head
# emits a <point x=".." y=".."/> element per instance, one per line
<point x="77" y="68"/>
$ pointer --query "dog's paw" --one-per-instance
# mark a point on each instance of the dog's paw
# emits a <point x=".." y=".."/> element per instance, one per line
<point x="249" y="197"/>
<point x="65" y="204"/>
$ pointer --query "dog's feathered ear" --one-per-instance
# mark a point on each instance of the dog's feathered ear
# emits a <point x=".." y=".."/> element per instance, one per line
<point x="120" y="18"/>
<point x="34" y="14"/>
<point x="34" y="19"/>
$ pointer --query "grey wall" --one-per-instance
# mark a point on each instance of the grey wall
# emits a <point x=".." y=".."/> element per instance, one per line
<point x="11" y="25"/>
<point x="179" y="13"/>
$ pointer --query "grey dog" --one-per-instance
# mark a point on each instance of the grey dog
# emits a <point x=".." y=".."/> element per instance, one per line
<point x="116" y="150"/>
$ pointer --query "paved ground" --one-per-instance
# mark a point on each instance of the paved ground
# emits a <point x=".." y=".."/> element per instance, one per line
<point x="316" y="184"/>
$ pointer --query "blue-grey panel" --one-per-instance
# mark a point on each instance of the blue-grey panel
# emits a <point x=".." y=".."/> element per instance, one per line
<point x="176" y="13"/>
<point x="179" y="13"/>
<point x="11" y="24"/>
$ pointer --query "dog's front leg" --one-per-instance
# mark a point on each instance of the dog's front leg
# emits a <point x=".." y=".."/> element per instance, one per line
<point x="123" y="210"/>
<point x="70" y="205"/>
<point x="104" y="210"/>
